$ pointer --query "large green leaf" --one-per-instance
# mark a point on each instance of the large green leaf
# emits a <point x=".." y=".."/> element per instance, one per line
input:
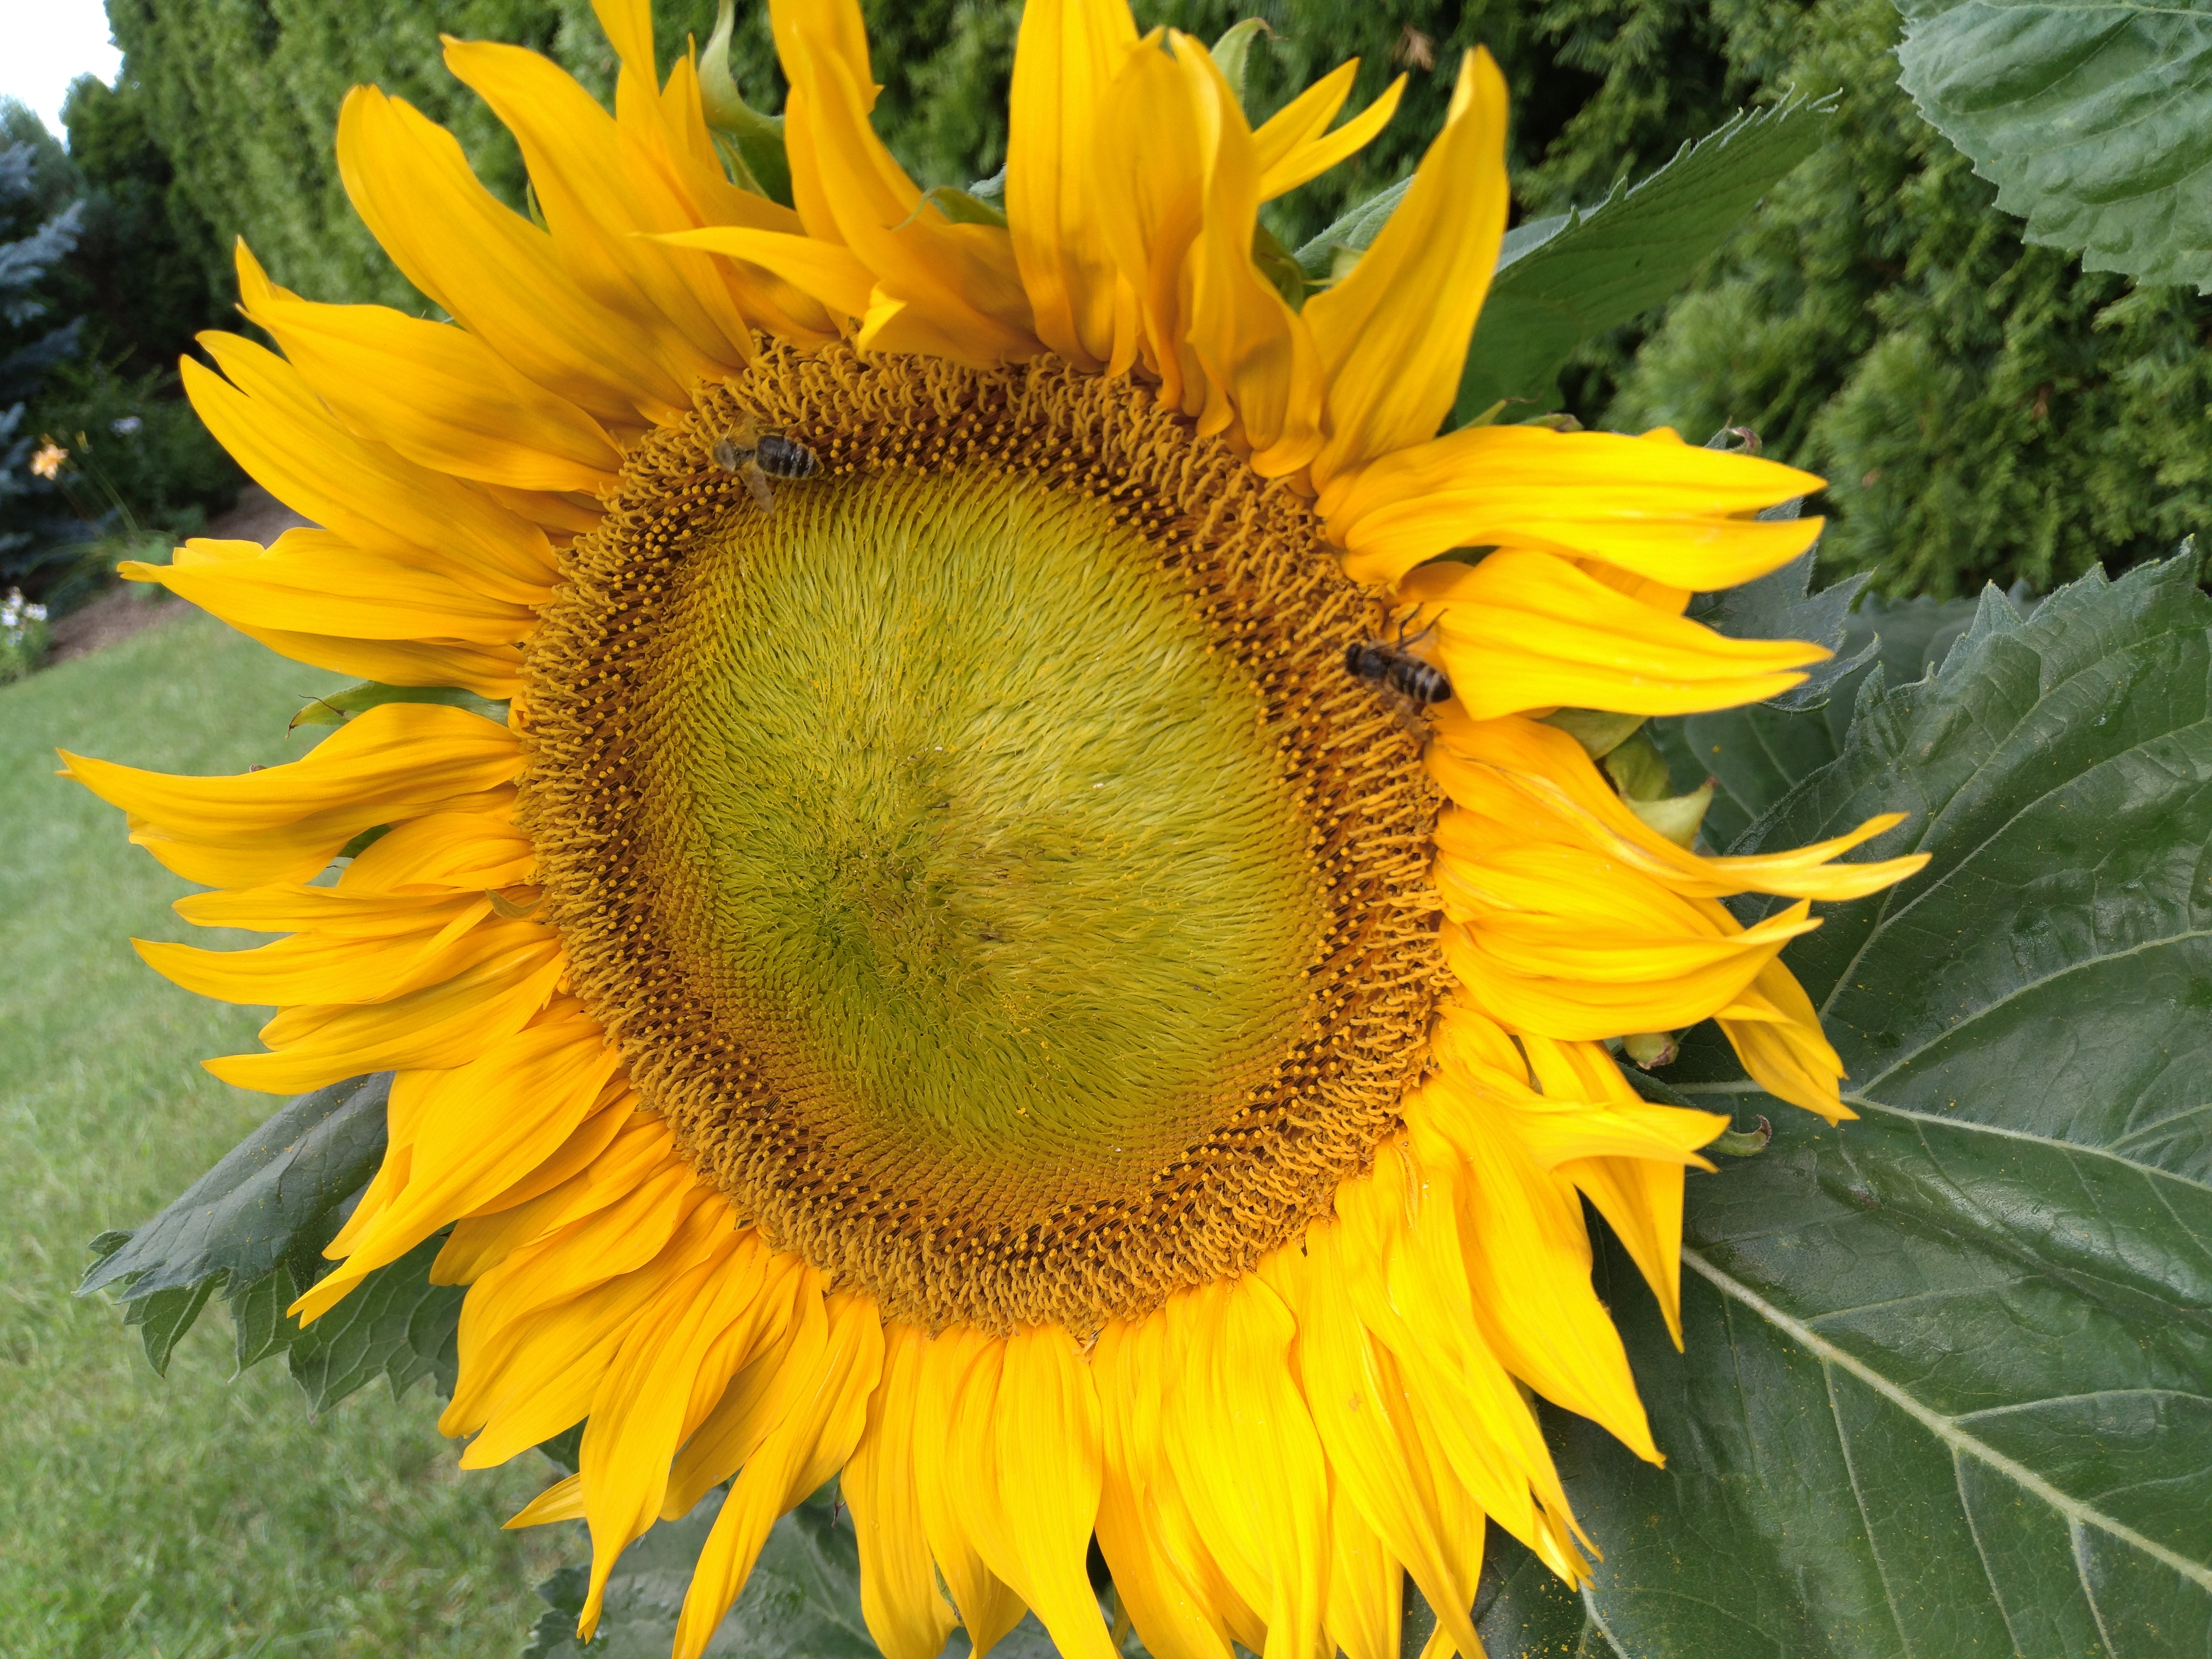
<point x="2092" y="117"/>
<point x="1757" y="753"/>
<point x="253" y="1228"/>
<point x="1566" y="280"/>
<point x="1946" y="1385"/>
<point x="395" y="1324"/>
<point x="257" y="1206"/>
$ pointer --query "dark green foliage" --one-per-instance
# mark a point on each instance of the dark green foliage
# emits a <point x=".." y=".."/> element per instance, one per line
<point x="38" y="226"/>
<point x="253" y="1228"/>
<point x="112" y="262"/>
<point x="1983" y="410"/>
<point x="140" y="270"/>
<point x="242" y="95"/>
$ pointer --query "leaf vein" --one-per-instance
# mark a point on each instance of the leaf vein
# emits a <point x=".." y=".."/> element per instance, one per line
<point x="1947" y="1431"/>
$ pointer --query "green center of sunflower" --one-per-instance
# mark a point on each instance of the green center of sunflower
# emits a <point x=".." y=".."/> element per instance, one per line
<point x="962" y="820"/>
<point x="981" y="858"/>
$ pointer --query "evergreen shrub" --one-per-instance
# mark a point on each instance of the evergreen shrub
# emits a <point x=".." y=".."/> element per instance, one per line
<point x="1983" y="409"/>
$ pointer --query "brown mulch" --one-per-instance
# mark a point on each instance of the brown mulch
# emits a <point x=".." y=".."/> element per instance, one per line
<point x="133" y="607"/>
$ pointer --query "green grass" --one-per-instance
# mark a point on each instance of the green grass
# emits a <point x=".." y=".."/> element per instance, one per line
<point x="197" y="1515"/>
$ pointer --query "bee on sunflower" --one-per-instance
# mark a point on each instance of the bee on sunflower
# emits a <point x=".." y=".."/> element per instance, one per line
<point x="941" y="977"/>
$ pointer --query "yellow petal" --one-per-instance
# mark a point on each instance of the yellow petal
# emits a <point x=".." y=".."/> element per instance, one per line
<point x="1392" y="335"/>
<point x="443" y="1025"/>
<point x="1553" y="940"/>
<point x="1146" y="184"/>
<point x="1677" y="514"/>
<point x="639" y="1149"/>
<point x="1526" y="1266"/>
<point x="435" y="393"/>
<point x="827" y="270"/>
<point x="285" y="823"/>
<point x="274" y="425"/>
<point x="1065" y="54"/>
<point x="1247" y="1460"/>
<point x="561" y="1501"/>
<point x="804" y="1451"/>
<point x="312" y="581"/>
<point x="987" y="1606"/>
<point x="899" y="1598"/>
<point x="486" y="1124"/>
<point x="1295" y="146"/>
<point x="962" y="277"/>
<point x="1264" y="373"/>
<point x="1176" y="1610"/>
<point x="1777" y="1034"/>
<point x="532" y="1377"/>
<point x="1366" y="1589"/>
<point x="637" y="1413"/>
<point x="1460" y="1405"/>
<point x="1375" y="1461"/>
<point x="493" y="271"/>
<point x="1046" y="1420"/>
<point x="598" y="196"/>
<point x="1524" y="630"/>
<point x="786" y="1357"/>
<point x="1536" y="783"/>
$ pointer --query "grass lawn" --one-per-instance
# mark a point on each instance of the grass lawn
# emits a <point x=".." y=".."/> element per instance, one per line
<point x="196" y="1515"/>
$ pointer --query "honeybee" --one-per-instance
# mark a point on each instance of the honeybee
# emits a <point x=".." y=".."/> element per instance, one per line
<point x="757" y="456"/>
<point x="1396" y="667"/>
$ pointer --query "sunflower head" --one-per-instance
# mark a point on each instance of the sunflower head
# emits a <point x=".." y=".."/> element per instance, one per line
<point x="1024" y="937"/>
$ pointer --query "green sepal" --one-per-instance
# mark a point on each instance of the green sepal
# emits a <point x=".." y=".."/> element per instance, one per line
<point x="162" y="1318"/>
<point x="1279" y="267"/>
<point x="367" y="838"/>
<point x="1742" y="1143"/>
<point x="340" y="706"/>
<point x="1566" y="279"/>
<point x="757" y="139"/>
<point x="266" y="1198"/>
<point x="1350" y="234"/>
<point x="394" y="1324"/>
<point x="964" y="207"/>
<point x="1233" y="50"/>
<point x="1637" y="769"/>
<point x="1600" y="731"/>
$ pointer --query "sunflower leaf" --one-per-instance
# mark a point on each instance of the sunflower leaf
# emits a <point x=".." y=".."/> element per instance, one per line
<point x="269" y="1197"/>
<point x="1756" y="755"/>
<point x="1596" y="270"/>
<point x="2093" y="119"/>
<point x="163" y="1318"/>
<point x="1944" y="1386"/>
<point x="395" y="1324"/>
<point x="1352" y="233"/>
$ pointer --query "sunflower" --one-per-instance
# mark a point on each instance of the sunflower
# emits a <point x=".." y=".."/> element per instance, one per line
<point x="937" y="974"/>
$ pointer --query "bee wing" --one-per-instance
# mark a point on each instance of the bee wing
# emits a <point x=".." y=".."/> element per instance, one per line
<point x="726" y="455"/>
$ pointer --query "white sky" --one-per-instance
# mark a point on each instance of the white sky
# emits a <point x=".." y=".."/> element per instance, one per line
<point x="49" y="43"/>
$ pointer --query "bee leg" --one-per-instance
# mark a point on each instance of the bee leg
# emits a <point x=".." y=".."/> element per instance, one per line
<point x="756" y="481"/>
<point x="1405" y="644"/>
